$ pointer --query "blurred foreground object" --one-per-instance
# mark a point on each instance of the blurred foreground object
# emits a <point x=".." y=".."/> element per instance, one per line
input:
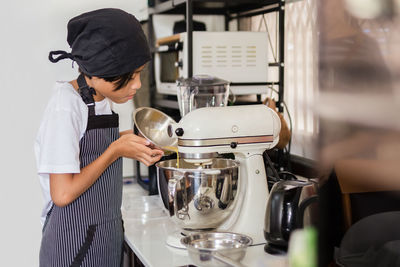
<point x="359" y="99"/>
<point x="358" y="107"/>
<point x="362" y="247"/>
<point x="370" y="9"/>
<point x="303" y="248"/>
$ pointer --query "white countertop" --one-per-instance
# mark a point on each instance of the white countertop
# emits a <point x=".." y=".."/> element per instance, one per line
<point x="147" y="226"/>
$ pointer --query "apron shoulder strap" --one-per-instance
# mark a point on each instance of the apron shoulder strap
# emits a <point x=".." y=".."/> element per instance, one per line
<point x="86" y="93"/>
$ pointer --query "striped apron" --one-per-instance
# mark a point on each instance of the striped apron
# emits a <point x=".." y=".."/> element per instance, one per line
<point x="89" y="232"/>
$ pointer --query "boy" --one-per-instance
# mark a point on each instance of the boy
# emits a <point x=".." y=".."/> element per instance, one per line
<point x="79" y="147"/>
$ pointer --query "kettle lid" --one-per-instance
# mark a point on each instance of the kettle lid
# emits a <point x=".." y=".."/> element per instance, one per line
<point x="291" y="184"/>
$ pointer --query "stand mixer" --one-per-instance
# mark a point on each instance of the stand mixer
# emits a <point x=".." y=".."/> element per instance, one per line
<point x="203" y="135"/>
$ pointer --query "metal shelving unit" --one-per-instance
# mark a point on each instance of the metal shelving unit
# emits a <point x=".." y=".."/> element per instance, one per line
<point x="209" y="6"/>
<point x="231" y="10"/>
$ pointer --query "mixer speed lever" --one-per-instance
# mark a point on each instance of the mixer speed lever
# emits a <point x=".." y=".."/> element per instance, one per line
<point x="179" y="132"/>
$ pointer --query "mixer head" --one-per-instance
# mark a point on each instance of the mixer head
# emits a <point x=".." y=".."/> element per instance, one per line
<point x="206" y="132"/>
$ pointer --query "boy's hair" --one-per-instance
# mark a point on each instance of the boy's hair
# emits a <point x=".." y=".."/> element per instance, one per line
<point x="120" y="80"/>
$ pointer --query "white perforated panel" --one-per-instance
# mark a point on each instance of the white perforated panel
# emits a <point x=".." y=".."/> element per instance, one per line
<point x="239" y="57"/>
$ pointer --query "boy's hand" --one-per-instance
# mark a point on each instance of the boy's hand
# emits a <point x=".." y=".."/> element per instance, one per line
<point x="135" y="147"/>
<point x="126" y="132"/>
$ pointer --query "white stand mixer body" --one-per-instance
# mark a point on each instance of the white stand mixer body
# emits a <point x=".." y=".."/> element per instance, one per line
<point x="246" y="131"/>
<point x="248" y="215"/>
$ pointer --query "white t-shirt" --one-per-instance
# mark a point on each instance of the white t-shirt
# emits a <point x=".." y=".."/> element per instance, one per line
<point x="57" y="142"/>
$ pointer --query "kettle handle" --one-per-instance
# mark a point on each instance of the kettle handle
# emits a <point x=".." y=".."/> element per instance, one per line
<point x="302" y="208"/>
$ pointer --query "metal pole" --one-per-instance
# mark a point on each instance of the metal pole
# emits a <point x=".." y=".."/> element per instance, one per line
<point x="189" y="32"/>
<point x="227" y="20"/>
<point x="281" y="53"/>
<point x="150" y="36"/>
<point x="281" y="13"/>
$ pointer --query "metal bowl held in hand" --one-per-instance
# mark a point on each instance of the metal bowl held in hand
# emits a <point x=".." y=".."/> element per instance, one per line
<point x="153" y="124"/>
<point x="196" y="197"/>
<point x="216" y="248"/>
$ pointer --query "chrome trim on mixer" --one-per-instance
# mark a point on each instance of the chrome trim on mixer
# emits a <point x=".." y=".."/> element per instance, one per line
<point x="225" y="141"/>
<point x="198" y="155"/>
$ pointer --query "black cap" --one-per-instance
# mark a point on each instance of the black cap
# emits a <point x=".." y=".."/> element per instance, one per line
<point x="106" y="43"/>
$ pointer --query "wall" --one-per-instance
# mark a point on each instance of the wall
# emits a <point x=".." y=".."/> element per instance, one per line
<point x="29" y="30"/>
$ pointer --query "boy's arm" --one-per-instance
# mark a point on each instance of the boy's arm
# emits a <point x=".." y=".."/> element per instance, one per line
<point x="65" y="188"/>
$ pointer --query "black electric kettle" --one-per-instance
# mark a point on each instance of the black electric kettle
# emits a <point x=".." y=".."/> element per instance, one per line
<point x="285" y="211"/>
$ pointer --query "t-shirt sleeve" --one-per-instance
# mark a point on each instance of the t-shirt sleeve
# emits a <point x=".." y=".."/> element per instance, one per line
<point x="59" y="152"/>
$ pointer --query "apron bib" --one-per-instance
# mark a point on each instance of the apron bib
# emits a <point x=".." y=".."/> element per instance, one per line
<point x="89" y="232"/>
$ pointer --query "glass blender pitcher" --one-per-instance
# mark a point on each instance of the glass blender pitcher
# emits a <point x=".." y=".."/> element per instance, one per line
<point x="201" y="91"/>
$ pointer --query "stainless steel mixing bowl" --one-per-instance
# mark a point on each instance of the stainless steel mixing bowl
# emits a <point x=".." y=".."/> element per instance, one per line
<point x="216" y="248"/>
<point x="198" y="197"/>
<point x="153" y="125"/>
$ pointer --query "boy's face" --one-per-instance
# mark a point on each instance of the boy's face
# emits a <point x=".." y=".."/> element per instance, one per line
<point x="106" y="89"/>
